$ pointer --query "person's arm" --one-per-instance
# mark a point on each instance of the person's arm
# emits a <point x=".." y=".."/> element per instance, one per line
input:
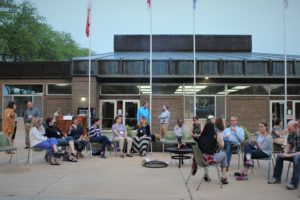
<point x="38" y="136"/>
<point x="138" y="116"/>
<point x="92" y="132"/>
<point x="277" y="132"/>
<point x="239" y="132"/>
<point x="148" y="133"/>
<point x="220" y="140"/>
<point x="125" y="134"/>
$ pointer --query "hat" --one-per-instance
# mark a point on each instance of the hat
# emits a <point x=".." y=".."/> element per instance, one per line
<point x="210" y="117"/>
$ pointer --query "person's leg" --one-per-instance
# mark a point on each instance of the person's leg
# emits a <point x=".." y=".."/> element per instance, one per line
<point x="296" y="172"/>
<point x="120" y="140"/>
<point x="222" y="159"/>
<point x="144" y="145"/>
<point x="14" y="135"/>
<point x="129" y="145"/>
<point x="228" y="152"/>
<point x="165" y="130"/>
<point x="160" y="133"/>
<point x="179" y="140"/>
<point x="136" y="144"/>
<point x="27" y="129"/>
<point x="278" y="169"/>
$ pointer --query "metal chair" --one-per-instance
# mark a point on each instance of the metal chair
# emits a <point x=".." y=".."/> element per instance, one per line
<point x="288" y="171"/>
<point x="269" y="159"/>
<point x="202" y="164"/>
<point x="5" y="146"/>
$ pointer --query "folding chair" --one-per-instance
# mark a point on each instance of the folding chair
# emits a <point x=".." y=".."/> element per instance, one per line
<point x="5" y="146"/>
<point x="202" y="164"/>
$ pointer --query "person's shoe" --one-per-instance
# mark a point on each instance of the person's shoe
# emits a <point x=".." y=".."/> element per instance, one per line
<point x="290" y="187"/>
<point x="224" y="181"/>
<point x="207" y="178"/>
<point x="273" y="181"/>
<point x="103" y="156"/>
<point x="242" y="178"/>
<point x="129" y="155"/>
<point x="237" y="174"/>
<point x="249" y="163"/>
<point x="26" y="148"/>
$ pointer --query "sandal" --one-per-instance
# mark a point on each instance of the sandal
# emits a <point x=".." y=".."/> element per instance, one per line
<point x="54" y="163"/>
<point x="242" y="178"/>
<point x="207" y="178"/>
<point x="224" y="181"/>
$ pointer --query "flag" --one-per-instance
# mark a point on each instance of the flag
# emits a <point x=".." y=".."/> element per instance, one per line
<point x="194" y="4"/>
<point x="286" y="4"/>
<point x="149" y="3"/>
<point x="88" y="20"/>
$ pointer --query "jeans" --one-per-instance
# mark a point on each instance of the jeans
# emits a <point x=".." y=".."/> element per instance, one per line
<point x="228" y="149"/>
<point x="179" y="139"/>
<point x="80" y="144"/>
<point x="103" y="140"/>
<point x="296" y="169"/>
<point x="48" y="145"/>
<point x="64" y="141"/>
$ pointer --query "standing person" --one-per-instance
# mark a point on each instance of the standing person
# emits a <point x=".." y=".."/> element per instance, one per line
<point x="76" y="131"/>
<point x="142" y="138"/>
<point x="56" y="114"/>
<point x="292" y="154"/>
<point x="9" y="121"/>
<point x="143" y="111"/>
<point x="208" y="141"/>
<point x="96" y="137"/>
<point x="164" y="119"/>
<point x="180" y="130"/>
<point x="233" y="136"/>
<point x="261" y="146"/>
<point x="29" y="113"/>
<point x="15" y="129"/>
<point x="196" y="127"/>
<point x="120" y="135"/>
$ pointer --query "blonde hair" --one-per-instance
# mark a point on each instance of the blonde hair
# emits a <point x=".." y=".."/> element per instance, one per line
<point x="35" y="122"/>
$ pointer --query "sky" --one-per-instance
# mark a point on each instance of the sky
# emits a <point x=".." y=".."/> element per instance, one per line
<point x="263" y="19"/>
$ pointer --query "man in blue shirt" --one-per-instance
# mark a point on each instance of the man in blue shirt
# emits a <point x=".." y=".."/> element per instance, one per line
<point x="143" y="111"/>
<point x="233" y="136"/>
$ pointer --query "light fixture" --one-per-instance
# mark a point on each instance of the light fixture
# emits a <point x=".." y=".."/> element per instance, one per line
<point x="206" y="77"/>
<point x="83" y="99"/>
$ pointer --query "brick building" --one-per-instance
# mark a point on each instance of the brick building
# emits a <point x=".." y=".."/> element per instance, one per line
<point x="231" y="80"/>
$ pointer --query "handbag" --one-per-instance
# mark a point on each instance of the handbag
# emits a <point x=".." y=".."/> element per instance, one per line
<point x="209" y="159"/>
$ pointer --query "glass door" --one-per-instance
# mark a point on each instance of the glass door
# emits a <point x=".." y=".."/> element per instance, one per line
<point x="130" y="108"/>
<point x="108" y="112"/>
<point x="276" y="111"/>
<point x="296" y="110"/>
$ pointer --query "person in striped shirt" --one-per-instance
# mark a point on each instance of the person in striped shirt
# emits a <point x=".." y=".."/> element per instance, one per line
<point x="96" y="137"/>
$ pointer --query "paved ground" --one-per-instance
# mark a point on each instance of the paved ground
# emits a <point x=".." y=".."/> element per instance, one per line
<point x="117" y="178"/>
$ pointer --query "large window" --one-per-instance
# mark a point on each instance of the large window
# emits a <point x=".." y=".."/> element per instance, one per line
<point x="257" y="68"/>
<point x="278" y="68"/>
<point x="205" y="105"/>
<point x="184" y="68"/>
<point x="16" y="89"/>
<point x="233" y="68"/>
<point x="20" y="94"/>
<point x="209" y="68"/>
<point x="109" y="68"/>
<point x="82" y="67"/>
<point x="119" y="89"/>
<point x="247" y="90"/>
<point x="167" y="89"/>
<point x="297" y="68"/>
<point x="59" y="89"/>
<point x="134" y="67"/>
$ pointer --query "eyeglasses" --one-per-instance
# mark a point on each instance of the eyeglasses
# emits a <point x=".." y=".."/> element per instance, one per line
<point x="261" y="126"/>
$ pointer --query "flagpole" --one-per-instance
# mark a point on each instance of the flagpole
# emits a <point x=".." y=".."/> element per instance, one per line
<point x="89" y="85"/>
<point x="194" y="54"/>
<point x="285" y="2"/>
<point x="150" y="65"/>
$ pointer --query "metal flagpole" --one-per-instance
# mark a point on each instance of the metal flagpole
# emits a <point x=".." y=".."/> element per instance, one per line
<point x="150" y="108"/>
<point x="90" y="54"/>
<point x="285" y="2"/>
<point x="194" y="52"/>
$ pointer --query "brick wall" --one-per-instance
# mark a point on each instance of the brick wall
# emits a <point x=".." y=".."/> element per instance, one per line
<point x="52" y="103"/>
<point x="249" y="109"/>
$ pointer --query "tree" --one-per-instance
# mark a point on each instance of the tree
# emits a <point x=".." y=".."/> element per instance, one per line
<point x="25" y="36"/>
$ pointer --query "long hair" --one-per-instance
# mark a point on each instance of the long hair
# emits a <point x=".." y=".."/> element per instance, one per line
<point x="265" y="124"/>
<point x="117" y="117"/>
<point x="220" y="124"/>
<point x="209" y="128"/>
<point x="10" y="105"/>
<point x="35" y="122"/>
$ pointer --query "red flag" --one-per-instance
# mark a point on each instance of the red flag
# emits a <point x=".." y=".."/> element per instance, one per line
<point x="88" y="20"/>
<point x="149" y="3"/>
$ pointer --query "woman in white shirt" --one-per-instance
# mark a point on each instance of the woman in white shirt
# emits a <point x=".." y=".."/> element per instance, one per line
<point x="38" y="140"/>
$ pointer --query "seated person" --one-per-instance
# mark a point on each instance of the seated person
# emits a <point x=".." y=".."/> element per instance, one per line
<point x="180" y="130"/>
<point x="232" y="135"/>
<point x="80" y="141"/>
<point x="38" y="140"/>
<point x="142" y="138"/>
<point x="279" y="135"/>
<point x="120" y="135"/>
<point x="292" y="154"/>
<point x="260" y="146"/>
<point x="208" y="141"/>
<point x="53" y="132"/>
<point x="96" y="137"/>
<point x="196" y="127"/>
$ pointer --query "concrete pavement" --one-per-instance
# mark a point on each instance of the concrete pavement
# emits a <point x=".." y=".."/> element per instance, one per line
<point x="116" y="178"/>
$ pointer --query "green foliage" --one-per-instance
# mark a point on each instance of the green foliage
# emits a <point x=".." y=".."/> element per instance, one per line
<point x="130" y="131"/>
<point x="26" y="37"/>
<point x="247" y="133"/>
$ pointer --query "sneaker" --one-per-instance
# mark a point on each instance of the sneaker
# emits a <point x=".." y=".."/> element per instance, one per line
<point x="242" y="178"/>
<point x="129" y="155"/>
<point x="249" y="163"/>
<point x="237" y="174"/>
<point x="224" y="181"/>
<point x="290" y="187"/>
<point x="207" y="178"/>
<point x="273" y="181"/>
